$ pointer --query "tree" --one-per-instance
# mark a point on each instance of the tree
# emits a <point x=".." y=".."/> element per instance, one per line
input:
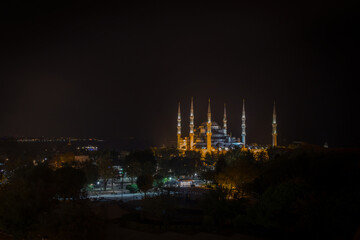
<point x="177" y="166"/>
<point x="235" y="171"/>
<point x="236" y="154"/>
<point x="158" y="181"/>
<point x="210" y="159"/>
<point x="163" y="159"/>
<point x="220" y="165"/>
<point x="193" y="162"/>
<point x="140" y="163"/>
<point x="145" y="183"/>
<point x="106" y="170"/>
<point x="146" y="159"/>
<point x="91" y="172"/>
<point x="64" y="159"/>
<point x="70" y="183"/>
<point x="132" y="169"/>
<point x="18" y="156"/>
<point x="193" y="154"/>
<point x="32" y="191"/>
<point x="29" y="191"/>
<point x="166" y="153"/>
<point x="184" y="166"/>
<point x="207" y="175"/>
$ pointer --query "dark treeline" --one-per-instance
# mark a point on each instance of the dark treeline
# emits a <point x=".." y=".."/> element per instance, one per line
<point x="302" y="192"/>
<point x="37" y="202"/>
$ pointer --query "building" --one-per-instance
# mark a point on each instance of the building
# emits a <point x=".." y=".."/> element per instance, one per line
<point x="219" y="140"/>
<point x="209" y="136"/>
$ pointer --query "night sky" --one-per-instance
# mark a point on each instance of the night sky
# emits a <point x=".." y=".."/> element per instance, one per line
<point x="119" y="71"/>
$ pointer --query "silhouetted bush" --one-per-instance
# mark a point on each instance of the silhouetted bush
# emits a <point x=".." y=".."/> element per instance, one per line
<point x="33" y="191"/>
<point x="133" y="188"/>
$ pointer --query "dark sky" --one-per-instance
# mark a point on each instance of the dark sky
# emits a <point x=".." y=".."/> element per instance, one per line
<point x="118" y="71"/>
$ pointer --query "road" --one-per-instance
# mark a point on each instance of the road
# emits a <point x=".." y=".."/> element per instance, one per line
<point x="125" y="197"/>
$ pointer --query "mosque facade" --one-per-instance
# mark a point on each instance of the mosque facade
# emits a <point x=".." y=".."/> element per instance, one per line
<point x="210" y="136"/>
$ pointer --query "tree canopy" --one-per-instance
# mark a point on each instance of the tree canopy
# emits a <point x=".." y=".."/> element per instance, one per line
<point x="145" y="183"/>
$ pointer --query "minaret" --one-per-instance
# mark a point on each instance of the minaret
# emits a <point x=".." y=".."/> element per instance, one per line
<point x="191" y="124"/>
<point x="243" y="126"/>
<point x="208" y="133"/>
<point x="178" y="128"/>
<point x="274" y="132"/>
<point x="225" y="121"/>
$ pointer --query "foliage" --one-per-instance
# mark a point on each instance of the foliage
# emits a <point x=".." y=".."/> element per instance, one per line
<point x="106" y="170"/>
<point x="211" y="159"/>
<point x="261" y="156"/>
<point x="220" y="165"/>
<point x="207" y="175"/>
<point x="132" y="169"/>
<point x="145" y="183"/>
<point x="235" y="171"/>
<point x="70" y="183"/>
<point x="91" y="172"/>
<point x="273" y="208"/>
<point x="64" y="159"/>
<point x="163" y="157"/>
<point x="133" y="188"/>
<point x="19" y="156"/>
<point x="218" y="209"/>
<point x="170" y="162"/>
<point x="140" y="163"/>
<point x="297" y="192"/>
<point x="305" y="192"/>
<point x="183" y="166"/>
<point x="166" y="153"/>
<point x="193" y="155"/>
<point x="159" y="181"/>
<point x="30" y="191"/>
<point x="239" y="153"/>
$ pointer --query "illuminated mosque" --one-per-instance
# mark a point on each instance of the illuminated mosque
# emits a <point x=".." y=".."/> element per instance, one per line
<point x="210" y="136"/>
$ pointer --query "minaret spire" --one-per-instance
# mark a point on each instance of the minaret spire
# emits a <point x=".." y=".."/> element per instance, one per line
<point x="178" y="128"/>
<point x="191" y="124"/>
<point x="225" y="120"/>
<point x="243" y="126"/>
<point x="208" y="133"/>
<point x="209" y="112"/>
<point x="274" y="132"/>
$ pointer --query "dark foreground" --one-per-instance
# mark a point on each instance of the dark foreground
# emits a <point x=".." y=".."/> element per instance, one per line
<point x="297" y="194"/>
